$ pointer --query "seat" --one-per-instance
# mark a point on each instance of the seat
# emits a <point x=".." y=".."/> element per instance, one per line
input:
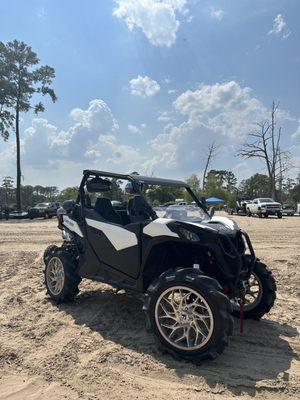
<point x="138" y="209"/>
<point x="104" y="207"/>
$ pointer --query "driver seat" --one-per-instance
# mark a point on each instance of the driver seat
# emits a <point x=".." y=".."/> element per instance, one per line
<point x="138" y="209"/>
<point x="104" y="207"/>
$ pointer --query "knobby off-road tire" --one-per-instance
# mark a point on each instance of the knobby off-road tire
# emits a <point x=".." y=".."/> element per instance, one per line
<point x="279" y="215"/>
<point x="50" y="250"/>
<point x="266" y="295"/>
<point x="220" y="309"/>
<point x="61" y="277"/>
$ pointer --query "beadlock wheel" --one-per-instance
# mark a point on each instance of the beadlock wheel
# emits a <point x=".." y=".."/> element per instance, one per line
<point x="260" y="293"/>
<point x="55" y="275"/>
<point x="188" y="314"/>
<point x="184" y="318"/>
<point x="253" y="294"/>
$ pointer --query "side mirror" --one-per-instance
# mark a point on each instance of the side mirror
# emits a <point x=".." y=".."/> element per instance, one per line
<point x="211" y="211"/>
<point x="68" y="205"/>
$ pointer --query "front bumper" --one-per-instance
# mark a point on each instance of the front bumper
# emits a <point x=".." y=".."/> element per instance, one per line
<point x="239" y="257"/>
<point x="270" y="211"/>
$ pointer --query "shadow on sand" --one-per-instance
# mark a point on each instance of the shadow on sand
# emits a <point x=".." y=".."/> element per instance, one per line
<point x="259" y="354"/>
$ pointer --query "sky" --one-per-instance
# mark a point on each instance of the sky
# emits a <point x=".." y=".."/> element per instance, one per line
<point x="147" y="85"/>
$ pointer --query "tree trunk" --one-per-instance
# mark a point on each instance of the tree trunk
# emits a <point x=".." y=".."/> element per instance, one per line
<point x="18" y="160"/>
<point x="273" y="189"/>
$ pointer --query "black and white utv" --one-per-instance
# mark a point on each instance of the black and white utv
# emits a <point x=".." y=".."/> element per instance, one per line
<point x="196" y="270"/>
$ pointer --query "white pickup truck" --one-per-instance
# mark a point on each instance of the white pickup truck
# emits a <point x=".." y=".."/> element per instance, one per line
<point x="264" y="207"/>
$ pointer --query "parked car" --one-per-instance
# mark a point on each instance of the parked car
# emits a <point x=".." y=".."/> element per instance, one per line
<point x="43" y="210"/>
<point x="18" y="215"/>
<point x="287" y="209"/>
<point x="195" y="270"/>
<point x="263" y="207"/>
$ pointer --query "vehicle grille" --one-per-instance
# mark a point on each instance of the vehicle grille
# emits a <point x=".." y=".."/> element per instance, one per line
<point x="272" y="207"/>
<point x="238" y="243"/>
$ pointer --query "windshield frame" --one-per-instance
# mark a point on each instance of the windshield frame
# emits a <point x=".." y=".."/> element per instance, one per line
<point x="138" y="181"/>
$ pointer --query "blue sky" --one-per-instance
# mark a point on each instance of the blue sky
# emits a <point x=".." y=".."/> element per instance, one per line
<point x="146" y="85"/>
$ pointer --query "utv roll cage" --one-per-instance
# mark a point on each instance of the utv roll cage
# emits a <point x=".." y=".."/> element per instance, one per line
<point x="138" y="181"/>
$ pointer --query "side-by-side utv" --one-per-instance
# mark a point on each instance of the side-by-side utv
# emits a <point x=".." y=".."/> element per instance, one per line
<point x="195" y="270"/>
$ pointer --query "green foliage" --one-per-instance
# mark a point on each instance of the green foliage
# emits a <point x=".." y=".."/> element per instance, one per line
<point x="222" y="184"/>
<point x="291" y="191"/>
<point x="255" y="186"/>
<point x="163" y="194"/>
<point x="194" y="182"/>
<point x="21" y="80"/>
<point x="295" y="194"/>
<point x="69" y="193"/>
<point x="224" y="179"/>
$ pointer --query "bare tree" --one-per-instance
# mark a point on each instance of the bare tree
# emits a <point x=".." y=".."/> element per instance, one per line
<point x="264" y="143"/>
<point x="210" y="154"/>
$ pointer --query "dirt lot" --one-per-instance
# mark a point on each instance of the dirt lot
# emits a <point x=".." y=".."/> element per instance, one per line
<point x="98" y="348"/>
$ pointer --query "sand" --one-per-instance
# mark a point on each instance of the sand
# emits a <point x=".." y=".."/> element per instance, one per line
<point x="98" y="347"/>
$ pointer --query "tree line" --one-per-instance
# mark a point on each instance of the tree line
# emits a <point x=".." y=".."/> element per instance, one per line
<point x="31" y="195"/>
<point x="219" y="183"/>
<point x="223" y="184"/>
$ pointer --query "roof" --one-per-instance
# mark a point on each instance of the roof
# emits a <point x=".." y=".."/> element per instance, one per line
<point x="149" y="180"/>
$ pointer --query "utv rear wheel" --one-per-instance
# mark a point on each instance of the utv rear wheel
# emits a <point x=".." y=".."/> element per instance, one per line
<point x="261" y="294"/>
<point x="61" y="277"/>
<point x="189" y="315"/>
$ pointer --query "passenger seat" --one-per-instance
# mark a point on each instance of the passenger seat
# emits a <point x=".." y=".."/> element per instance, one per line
<point x="104" y="207"/>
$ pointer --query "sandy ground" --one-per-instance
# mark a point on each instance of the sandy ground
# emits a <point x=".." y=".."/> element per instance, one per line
<point x="98" y="348"/>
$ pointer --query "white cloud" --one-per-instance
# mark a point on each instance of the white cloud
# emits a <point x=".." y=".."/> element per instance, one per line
<point x="221" y="110"/>
<point x="172" y="91"/>
<point x="217" y="14"/>
<point x="296" y="134"/>
<point x="164" y="116"/>
<point x="225" y="108"/>
<point x="91" y="141"/>
<point x="136" y="129"/>
<point x="280" y="27"/>
<point x="156" y="18"/>
<point x="144" y="86"/>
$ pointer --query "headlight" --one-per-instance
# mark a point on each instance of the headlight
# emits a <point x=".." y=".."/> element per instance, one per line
<point x="189" y="235"/>
<point x="263" y="206"/>
<point x="66" y="236"/>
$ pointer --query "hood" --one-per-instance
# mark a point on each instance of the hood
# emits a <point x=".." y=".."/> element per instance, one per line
<point x="274" y="203"/>
<point x="163" y="226"/>
<point x="217" y="224"/>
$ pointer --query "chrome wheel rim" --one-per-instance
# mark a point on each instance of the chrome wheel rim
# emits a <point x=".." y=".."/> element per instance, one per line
<point x="253" y="294"/>
<point x="184" y="318"/>
<point x="55" y="276"/>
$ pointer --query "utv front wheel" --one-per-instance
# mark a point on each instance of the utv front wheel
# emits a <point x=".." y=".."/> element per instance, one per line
<point x="61" y="278"/>
<point x="260" y="294"/>
<point x="189" y="315"/>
